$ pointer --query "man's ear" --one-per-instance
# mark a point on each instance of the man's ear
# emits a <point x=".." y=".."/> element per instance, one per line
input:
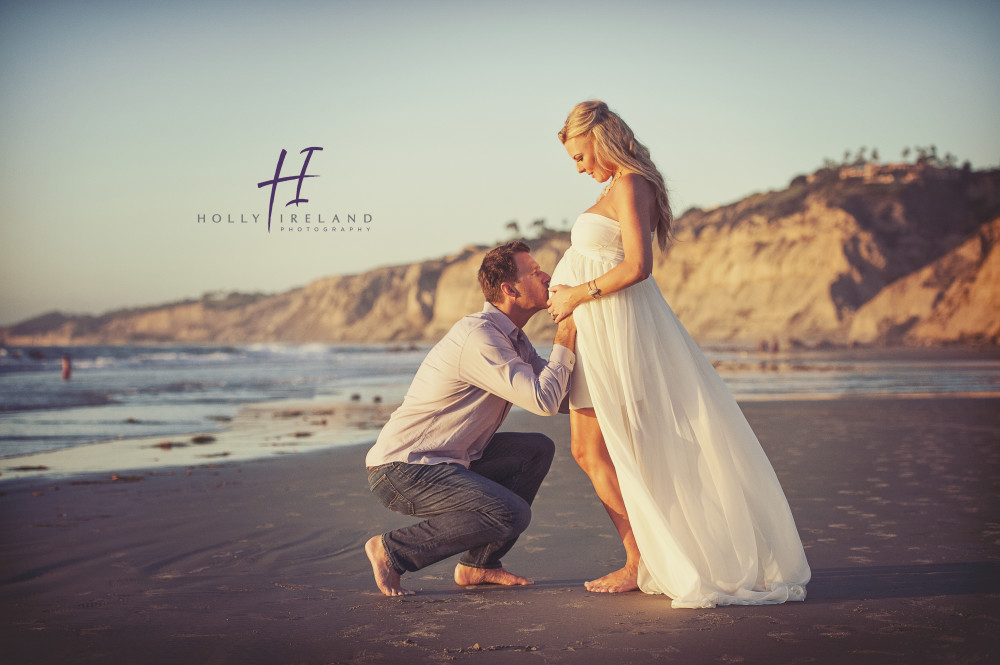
<point x="508" y="289"/>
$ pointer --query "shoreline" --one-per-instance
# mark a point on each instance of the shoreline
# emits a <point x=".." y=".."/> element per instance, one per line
<point x="262" y="561"/>
<point x="259" y="431"/>
<point x="265" y="430"/>
<point x="125" y="434"/>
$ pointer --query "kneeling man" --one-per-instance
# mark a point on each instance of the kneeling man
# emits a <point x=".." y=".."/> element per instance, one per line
<point x="440" y="456"/>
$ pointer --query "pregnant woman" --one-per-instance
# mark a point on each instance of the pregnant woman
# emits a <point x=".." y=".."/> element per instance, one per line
<point x="683" y="477"/>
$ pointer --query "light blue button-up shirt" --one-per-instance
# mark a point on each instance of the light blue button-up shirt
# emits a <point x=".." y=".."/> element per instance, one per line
<point x="464" y="389"/>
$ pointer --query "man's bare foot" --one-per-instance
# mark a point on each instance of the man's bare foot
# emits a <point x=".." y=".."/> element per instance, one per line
<point x="620" y="581"/>
<point x="466" y="576"/>
<point x="386" y="576"/>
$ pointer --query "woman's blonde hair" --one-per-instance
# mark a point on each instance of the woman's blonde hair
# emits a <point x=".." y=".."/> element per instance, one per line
<point x="613" y="140"/>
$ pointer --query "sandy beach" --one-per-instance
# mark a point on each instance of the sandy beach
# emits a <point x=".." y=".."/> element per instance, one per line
<point x="262" y="561"/>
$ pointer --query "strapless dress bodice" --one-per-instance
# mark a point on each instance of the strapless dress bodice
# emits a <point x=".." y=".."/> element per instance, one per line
<point x="598" y="237"/>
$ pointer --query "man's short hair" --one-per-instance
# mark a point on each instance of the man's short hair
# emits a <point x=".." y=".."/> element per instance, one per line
<point x="498" y="267"/>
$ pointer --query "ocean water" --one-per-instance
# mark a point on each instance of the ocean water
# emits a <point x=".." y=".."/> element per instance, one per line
<point x="860" y="372"/>
<point x="121" y="392"/>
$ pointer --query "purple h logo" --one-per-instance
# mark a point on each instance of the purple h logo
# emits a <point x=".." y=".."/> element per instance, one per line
<point x="277" y="178"/>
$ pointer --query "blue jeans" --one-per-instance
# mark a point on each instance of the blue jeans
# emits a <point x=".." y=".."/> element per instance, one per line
<point x="480" y="510"/>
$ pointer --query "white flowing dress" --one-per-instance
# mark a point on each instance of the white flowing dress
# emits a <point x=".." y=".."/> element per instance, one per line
<point x="709" y="516"/>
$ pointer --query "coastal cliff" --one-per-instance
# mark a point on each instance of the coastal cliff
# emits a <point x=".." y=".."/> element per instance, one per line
<point x="838" y="257"/>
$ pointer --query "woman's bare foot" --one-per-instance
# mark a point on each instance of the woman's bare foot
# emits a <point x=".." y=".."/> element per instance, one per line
<point x="466" y="576"/>
<point x="620" y="581"/>
<point x="386" y="576"/>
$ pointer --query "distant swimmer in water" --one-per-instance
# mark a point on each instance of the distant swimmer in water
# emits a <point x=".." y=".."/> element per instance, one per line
<point x="67" y="367"/>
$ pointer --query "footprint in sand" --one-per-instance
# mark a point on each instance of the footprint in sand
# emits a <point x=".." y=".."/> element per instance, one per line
<point x="834" y="631"/>
<point x="784" y="637"/>
<point x="880" y="534"/>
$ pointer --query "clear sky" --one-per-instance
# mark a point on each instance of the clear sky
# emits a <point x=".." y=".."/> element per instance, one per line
<point x="122" y="122"/>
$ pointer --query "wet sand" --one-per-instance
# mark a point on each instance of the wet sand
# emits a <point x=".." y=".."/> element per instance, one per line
<point x="257" y="431"/>
<point x="262" y="561"/>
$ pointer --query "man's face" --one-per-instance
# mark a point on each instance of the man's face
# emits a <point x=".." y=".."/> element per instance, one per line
<point x="532" y="283"/>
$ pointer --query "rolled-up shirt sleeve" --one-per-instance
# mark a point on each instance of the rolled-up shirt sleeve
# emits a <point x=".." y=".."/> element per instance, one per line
<point x="490" y="361"/>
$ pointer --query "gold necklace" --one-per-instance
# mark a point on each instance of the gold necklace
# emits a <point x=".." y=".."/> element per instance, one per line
<point x="615" y="178"/>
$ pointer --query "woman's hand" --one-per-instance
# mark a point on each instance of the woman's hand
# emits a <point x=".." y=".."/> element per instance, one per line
<point x="561" y="302"/>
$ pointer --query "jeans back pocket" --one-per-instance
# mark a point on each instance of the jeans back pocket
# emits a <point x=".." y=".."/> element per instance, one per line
<point x="385" y="492"/>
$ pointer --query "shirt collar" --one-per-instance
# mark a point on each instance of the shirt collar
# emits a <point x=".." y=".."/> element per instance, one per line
<point x="502" y="321"/>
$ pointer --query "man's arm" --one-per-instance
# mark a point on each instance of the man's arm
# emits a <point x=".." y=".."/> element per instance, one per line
<point x="566" y="334"/>
<point x="491" y="362"/>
